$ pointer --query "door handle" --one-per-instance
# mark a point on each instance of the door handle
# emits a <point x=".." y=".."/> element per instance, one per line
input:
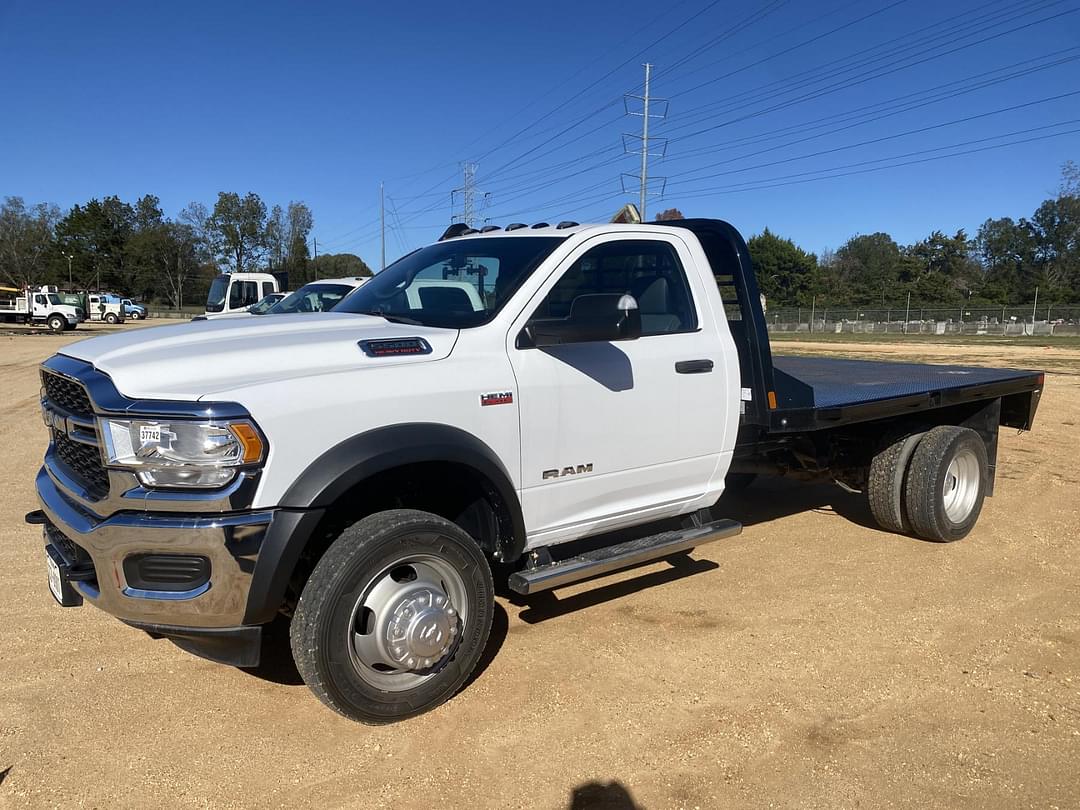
<point x="693" y="366"/>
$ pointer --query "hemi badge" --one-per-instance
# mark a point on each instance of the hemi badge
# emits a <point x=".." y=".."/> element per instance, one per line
<point x="395" y="347"/>
<point x="497" y="398"/>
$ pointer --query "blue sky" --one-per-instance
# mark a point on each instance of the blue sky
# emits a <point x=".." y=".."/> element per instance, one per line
<point x="319" y="103"/>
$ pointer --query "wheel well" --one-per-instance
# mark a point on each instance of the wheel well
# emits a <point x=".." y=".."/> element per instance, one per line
<point x="455" y="491"/>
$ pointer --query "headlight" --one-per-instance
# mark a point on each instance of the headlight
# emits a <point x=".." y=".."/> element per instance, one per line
<point x="181" y="454"/>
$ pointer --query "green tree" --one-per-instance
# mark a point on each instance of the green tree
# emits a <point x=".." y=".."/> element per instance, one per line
<point x="238" y="225"/>
<point x="299" y="224"/>
<point x="26" y="239"/>
<point x="1006" y="250"/>
<point x="871" y="268"/>
<point x="96" y="236"/>
<point x="340" y="265"/>
<point x="785" y="272"/>
<point x="944" y="270"/>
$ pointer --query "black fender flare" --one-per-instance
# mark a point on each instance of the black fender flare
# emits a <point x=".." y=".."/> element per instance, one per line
<point x="349" y="463"/>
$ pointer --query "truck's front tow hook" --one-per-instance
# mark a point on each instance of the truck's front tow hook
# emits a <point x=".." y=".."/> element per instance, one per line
<point x="35" y="518"/>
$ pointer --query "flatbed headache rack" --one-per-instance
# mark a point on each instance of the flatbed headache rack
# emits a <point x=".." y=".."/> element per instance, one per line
<point x="787" y="395"/>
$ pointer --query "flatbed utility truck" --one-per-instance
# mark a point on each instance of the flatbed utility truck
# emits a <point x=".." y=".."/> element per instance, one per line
<point x="378" y="472"/>
<point x="41" y="306"/>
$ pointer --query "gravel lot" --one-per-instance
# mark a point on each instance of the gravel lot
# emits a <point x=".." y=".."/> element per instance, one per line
<point x="813" y="661"/>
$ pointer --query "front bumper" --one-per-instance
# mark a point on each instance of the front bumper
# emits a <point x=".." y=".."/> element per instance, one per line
<point x="231" y="542"/>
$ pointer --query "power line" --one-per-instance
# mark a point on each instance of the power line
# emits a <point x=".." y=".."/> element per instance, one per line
<point x="881" y="139"/>
<point x="861" y="80"/>
<point x="818" y="123"/>
<point x="768" y="183"/>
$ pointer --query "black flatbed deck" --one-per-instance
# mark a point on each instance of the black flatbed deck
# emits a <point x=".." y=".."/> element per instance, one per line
<point x="817" y="392"/>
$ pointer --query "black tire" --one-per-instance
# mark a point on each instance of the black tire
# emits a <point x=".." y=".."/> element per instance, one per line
<point x="110" y="318"/>
<point x="932" y="513"/>
<point x="885" y="484"/>
<point x="57" y="324"/>
<point x="737" y="482"/>
<point x="136" y="316"/>
<point x="326" y="619"/>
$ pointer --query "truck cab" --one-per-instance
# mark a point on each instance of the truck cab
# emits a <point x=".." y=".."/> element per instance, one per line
<point x="42" y="306"/>
<point x="235" y="292"/>
<point x="106" y="308"/>
<point x="136" y="312"/>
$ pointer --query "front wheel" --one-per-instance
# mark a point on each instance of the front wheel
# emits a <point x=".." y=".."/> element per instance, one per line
<point x="394" y="617"/>
<point x="57" y="324"/>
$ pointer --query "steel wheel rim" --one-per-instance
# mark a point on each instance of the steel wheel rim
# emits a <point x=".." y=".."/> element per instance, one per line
<point x="407" y="622"/>
<point x="960" y="489"/>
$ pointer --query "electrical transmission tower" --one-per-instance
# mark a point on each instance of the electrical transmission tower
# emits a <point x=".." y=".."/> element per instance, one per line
<point x="650" y="108"/>
<point x="472" y="202"/>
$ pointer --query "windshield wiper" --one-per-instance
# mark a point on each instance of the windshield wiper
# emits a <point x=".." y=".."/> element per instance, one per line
<point x="393" y="318"/>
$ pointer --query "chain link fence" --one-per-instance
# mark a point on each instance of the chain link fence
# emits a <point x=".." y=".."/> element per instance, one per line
<point x="1048" y="320"/>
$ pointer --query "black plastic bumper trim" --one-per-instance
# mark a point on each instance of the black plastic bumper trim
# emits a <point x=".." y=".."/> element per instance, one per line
<point x="235" y="646"/>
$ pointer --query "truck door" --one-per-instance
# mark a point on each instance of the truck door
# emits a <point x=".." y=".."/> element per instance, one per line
<point x="41" y="306"/>
<point x="614" y="432"/>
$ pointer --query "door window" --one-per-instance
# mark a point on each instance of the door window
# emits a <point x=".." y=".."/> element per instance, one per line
<point x="39" y="300"/>
<point x="647" y="269"/>
<point x="267" y="287"/>
<point x="243" y="294"/>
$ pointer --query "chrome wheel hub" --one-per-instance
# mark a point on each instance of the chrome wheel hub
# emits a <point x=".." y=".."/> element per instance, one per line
<point x="421" y="628"/>
<point x="407" y="622"/>
<point x="961" y="487"/>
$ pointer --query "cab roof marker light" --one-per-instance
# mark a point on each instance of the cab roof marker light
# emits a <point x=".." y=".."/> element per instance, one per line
<point x="541" y="225"/>
<point x="490" y="228"/>
<point x="566" y="223"/>
<point x="514" y="226"/>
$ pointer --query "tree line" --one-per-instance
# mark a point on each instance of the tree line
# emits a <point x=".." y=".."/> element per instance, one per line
<point x="134" y="249"/>
<point x="1001" y="265"/>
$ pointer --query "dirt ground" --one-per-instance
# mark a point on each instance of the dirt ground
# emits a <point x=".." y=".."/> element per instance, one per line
<point x="813" y="661"/>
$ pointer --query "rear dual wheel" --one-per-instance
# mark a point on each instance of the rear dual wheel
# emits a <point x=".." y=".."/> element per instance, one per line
<point x="931" y="484"/>
<point x="394" y="617"/>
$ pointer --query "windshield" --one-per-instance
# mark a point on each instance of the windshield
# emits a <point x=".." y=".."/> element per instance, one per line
<point x="264" y="305"/>
<point x="54" y="299"/>
<point x="311" y="298"/>
<point x="215" y="299"/>
<point x="454" y="284"/>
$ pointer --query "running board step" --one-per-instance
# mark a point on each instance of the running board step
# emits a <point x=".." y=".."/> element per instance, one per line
<point x="623" y="555"/>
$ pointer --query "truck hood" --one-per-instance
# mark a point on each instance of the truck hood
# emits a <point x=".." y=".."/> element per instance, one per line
<point x="190" y="361"/>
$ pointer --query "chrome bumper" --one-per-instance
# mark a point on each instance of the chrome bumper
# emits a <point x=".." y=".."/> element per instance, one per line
<point x="231" y="542"/>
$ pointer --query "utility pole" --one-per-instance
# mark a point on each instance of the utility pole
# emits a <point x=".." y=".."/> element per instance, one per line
<point x="472" y="201"/>
<point x="645" y="142"/>
<point x="648" y="104"/>
<point x="315" y="240"/>
<point x="382" y="228"/>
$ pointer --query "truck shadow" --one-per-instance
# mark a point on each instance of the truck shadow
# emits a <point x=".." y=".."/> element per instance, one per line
<point x="774" y="498"/>
<point x="546" y="605"/>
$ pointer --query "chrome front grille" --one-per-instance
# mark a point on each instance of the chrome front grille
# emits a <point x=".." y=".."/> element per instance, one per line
<point x="76" y="443"/>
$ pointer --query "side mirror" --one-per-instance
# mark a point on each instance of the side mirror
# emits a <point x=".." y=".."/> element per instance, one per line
<point x="600" y="317"/>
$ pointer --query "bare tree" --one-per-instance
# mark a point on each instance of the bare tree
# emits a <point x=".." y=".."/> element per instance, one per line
<point x="669" y="214"/>
<point x="26" y="235"/>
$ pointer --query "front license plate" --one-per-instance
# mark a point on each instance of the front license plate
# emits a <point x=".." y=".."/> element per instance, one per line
<point x="56" y="585"/>
<point x="59" y="584"/>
